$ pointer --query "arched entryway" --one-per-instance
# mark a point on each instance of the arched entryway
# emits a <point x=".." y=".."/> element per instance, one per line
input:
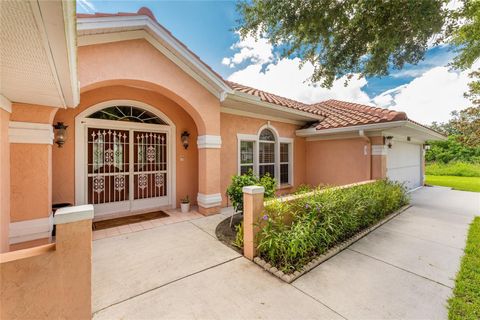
<point x="124" y="158"/>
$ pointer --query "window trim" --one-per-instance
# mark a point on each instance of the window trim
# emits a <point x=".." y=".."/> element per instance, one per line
<point x="255" y="138"/>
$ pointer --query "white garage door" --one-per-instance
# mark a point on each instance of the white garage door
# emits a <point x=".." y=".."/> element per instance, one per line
<point x="404" y="164"/>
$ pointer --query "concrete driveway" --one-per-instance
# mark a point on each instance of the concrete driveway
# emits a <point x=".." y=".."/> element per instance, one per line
<point x="405" y="269"/>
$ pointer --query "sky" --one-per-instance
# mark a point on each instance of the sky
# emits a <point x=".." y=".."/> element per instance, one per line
<point x="428" y="91"/>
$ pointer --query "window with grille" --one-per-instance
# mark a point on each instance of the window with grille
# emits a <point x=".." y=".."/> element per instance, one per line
<point x="284" y="163"/>
<point x="266" y="154"/>
<point x="246" y="156"/>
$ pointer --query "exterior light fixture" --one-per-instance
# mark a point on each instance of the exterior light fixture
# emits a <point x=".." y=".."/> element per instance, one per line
<point x="184" y="137"/>
<point x="389" y="141"/>
<point x="426" y="146"/>
<point x="60" y="134"/>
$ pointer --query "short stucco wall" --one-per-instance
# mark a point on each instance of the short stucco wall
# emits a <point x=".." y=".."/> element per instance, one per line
<point x="186" y="160"/>
<point x="51" y="281"/>
<point x="337" y="162"/>
<point x="231" y="125"/>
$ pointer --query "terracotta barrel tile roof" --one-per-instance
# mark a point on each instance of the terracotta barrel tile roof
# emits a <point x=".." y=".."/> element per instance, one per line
<point x="337" y="113"/>
<point x="344" y="114"/>
<point x="272" y="98"/>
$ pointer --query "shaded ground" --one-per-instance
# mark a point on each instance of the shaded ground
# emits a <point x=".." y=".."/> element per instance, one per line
<point x="226" y="233"/>
<point x="404" y="269"/>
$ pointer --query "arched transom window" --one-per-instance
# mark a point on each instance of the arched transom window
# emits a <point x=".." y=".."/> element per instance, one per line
<point x="127" y="113"/>
<point x="266" y="153"/>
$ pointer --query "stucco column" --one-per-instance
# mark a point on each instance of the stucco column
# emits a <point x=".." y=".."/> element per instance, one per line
<point x="379" y="158"/>
<point x="209" y="197"/>
<point x="31" y="138"/>
<point x="5" y="109"/>
<point x="252" y="211"/>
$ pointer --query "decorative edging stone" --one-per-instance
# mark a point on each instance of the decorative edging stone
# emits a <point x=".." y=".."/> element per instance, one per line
<point x="290" y="277"/>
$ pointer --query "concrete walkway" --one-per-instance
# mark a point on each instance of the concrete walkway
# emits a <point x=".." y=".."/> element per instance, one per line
<point x="405" y="269"/>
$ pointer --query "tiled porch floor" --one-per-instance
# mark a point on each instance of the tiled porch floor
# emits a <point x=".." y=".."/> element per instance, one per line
<point x="175" y="215"/>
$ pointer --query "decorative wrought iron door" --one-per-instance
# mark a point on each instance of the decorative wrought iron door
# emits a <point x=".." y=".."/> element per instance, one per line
<point x="108" y="165"/>
<point x="150" y="164"/>
<point x="126" y="169"/>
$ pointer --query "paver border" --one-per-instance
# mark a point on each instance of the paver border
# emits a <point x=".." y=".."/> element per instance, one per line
<point x="290" y="277"/>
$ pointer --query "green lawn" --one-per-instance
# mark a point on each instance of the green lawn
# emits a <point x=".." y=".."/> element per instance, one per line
<point x="457" y="183"/>
<point x="465" y="303"/>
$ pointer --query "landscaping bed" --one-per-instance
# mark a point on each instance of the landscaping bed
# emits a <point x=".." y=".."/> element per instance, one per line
<point x="327" y="255"/>
<point x="465" y="303"/>
<point x="295" y="234"/>
<point x="227" y="234"/>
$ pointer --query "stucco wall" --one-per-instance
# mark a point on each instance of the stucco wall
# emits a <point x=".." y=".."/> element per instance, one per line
<point x="233" y="124"/>
<point x="31" y="168"/>
<point x="337" y="162"/>
<point x="138" y="60"/>
<point x="4" y="180"/>
<point x="64" y="158"/>
<point x="52" y="281"/>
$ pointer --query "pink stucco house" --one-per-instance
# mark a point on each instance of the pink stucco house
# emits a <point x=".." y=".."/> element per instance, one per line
<point x="149" y="123"/>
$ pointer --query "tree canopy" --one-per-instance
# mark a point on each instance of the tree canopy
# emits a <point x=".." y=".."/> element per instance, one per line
<point x="366" y="37"/>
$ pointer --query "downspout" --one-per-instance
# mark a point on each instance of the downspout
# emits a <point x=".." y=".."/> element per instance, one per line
<point x="361" y="133"/>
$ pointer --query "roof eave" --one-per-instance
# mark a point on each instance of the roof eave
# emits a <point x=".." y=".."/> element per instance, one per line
<point x="428" y="134"/>
<point x="280" y="111"/>
<point x="311" y="132"/>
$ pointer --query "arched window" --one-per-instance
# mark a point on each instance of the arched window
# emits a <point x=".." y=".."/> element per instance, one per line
<point x="127" y="113"/>
<point x="266" y="153"/>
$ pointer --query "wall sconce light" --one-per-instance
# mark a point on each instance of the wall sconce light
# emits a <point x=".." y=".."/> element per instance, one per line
<point x="184" y="137"/>
<point x="426" y="146"/>
<point x="389" y="141"/>
<point x="60" y="133"/>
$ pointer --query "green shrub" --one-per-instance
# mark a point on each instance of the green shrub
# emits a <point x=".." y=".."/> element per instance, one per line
<point x="303" y="188"/>
<point x="235" y="189"/>
<point x="238" y="242"/>
<point x="459" y="169"/>
<point x="322" y="220"/>
<point x="452" y="150"/>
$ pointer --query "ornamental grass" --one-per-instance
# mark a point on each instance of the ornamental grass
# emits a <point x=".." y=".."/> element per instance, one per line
<point x="294" y="232"/>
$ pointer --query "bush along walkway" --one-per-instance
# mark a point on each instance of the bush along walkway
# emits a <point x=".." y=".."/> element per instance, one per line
<point x="465" y="303"/>
<point x="298" y="234"/>
<point x="289" y="278"/>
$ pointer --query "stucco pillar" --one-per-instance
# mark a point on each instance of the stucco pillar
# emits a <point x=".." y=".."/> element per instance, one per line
<point x="209" y="197"/>
<point x="5" y="108"/>
<point x="379" y="158"/>
<point x="252" y="211"/>
<point x="31" y="139"/>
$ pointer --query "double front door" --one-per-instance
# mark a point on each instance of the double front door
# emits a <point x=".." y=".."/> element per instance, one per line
<point x="126" y="169"/>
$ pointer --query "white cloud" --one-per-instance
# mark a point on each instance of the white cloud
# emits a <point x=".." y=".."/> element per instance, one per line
<point x="430" y="97"/>
<point x="284" y="77"/>
<point x="87" y="6"/>
<point x="256" y="51"/>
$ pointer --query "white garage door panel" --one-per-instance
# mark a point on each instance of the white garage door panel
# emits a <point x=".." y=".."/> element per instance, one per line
<point x="404" y="164"/>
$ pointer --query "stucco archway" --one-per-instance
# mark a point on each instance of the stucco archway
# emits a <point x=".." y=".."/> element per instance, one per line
<point x="82" y="124"/>
<point x="186" y="162"/>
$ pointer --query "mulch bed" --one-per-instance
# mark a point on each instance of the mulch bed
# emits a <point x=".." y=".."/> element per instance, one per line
<point x="117" y="222"/>
<point x="226" y="234"/>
